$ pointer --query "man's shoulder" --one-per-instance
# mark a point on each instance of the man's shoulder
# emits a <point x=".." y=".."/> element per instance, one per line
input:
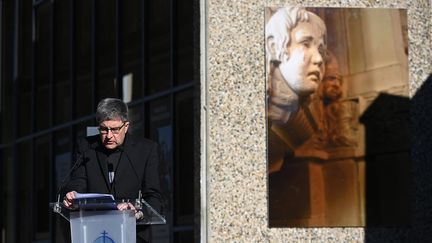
<point x="139" y="140"/>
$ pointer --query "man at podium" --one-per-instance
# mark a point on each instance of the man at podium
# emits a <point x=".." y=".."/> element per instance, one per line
<point x="116" y="162"/>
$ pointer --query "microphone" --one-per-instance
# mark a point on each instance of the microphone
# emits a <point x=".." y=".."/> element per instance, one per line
<point x="78" y="162"/>
<point x="138" y="203"/>
<point x="57" y="208"/>
<point x="155" y="194"/>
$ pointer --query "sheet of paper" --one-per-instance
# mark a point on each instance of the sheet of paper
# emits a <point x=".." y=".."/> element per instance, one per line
<point x="92" y="195"/>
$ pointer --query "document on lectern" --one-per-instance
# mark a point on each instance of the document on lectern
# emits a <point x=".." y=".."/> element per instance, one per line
<point x="92" y="195"/>
<point x="95" y="201"/>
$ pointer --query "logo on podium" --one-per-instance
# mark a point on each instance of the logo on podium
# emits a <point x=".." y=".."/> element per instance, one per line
<point x="104" y="238"/>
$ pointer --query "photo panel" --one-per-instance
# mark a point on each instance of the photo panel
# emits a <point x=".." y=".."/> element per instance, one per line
<point x="337" y="106"/>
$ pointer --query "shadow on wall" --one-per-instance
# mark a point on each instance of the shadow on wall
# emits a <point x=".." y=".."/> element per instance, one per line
<point x="388" y="176"/>
<point x="387" y="159"/>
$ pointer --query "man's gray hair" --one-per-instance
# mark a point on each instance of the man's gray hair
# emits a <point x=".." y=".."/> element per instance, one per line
<point x="111" y="109"/>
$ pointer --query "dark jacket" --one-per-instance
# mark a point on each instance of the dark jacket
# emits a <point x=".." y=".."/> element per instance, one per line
<point x="138" y="169"/>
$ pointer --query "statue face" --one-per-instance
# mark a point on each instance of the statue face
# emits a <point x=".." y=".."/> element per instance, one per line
<point x="304" y="69"/>
<point x="332" y="87"/>
<point x="332" y="81"/>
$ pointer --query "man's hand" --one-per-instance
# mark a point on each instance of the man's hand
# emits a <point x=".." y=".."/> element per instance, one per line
<point x="130" y="206"/>
<point x="68" y="199"/>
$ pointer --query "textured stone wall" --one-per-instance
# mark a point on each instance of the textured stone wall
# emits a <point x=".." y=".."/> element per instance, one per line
<point x="233" y="126"/>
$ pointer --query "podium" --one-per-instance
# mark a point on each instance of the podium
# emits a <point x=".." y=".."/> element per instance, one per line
<point x="98" y="220"/>
<point x="103" y="226"/>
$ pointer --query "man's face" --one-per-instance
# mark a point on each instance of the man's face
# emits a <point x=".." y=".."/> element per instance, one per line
<point x="332" y="87"/>
<point x="113" y="132"/>
<point x="305" y="65"/>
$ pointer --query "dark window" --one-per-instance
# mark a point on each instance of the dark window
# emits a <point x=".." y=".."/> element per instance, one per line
<point x="184" y="166"/>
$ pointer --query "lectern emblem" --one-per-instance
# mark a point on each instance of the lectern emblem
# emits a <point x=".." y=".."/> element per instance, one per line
<point x="104" y="238"/>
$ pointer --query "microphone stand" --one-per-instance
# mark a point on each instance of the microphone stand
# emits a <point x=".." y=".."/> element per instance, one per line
<point x="57" y="208"/>
<point x="138" y="202"/>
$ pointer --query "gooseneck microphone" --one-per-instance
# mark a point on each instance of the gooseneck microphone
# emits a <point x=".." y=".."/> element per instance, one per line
<point x="155" y="194"/>
<point x="78" y="162"/>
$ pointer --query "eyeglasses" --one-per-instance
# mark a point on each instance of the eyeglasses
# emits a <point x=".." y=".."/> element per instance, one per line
<point x="114" y="130"/>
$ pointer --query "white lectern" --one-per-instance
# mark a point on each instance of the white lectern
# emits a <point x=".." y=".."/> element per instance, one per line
<point x="95" y="220"/>
<point x="103" y="226"/>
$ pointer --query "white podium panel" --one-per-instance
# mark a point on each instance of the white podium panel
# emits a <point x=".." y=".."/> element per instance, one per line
<point x="107" y="226"/>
